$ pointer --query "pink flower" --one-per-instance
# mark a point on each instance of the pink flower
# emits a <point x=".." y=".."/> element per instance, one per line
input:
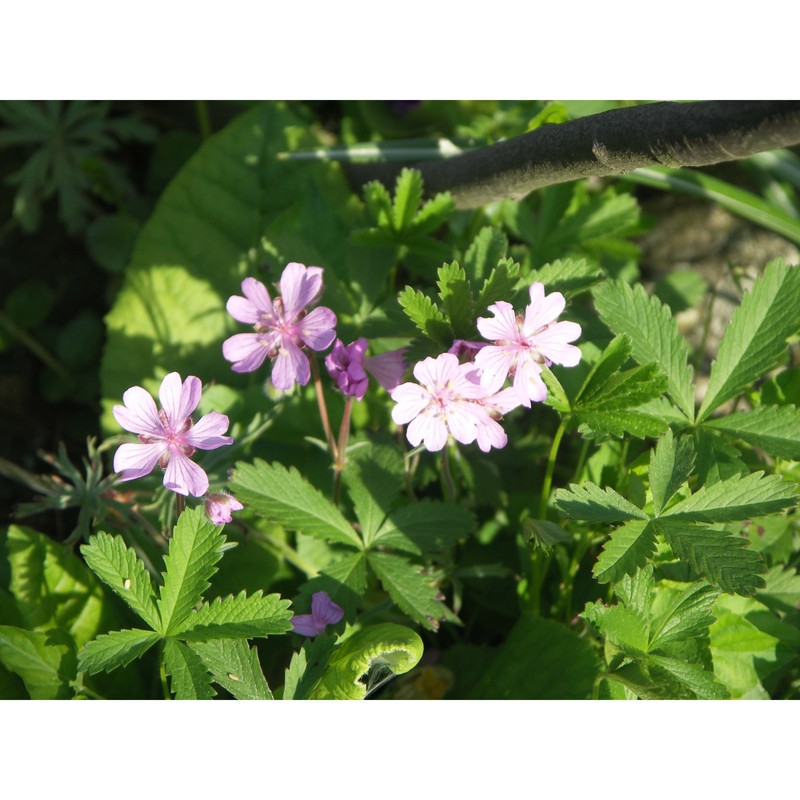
<point x="524" y="344"/>
<point x="219" y="507"/>
<point x="168" y="437"/>
<point x="324" y="612"/>
<point x="282" y="327"/>
<point x="345" y="365"/>
<point x="387" y="368"/>
<point x="449" y="401"/>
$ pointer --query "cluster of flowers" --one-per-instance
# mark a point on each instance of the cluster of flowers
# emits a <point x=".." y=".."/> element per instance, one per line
<point x="460" y="393"/>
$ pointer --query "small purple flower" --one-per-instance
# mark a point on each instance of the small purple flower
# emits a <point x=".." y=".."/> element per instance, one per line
<point x="219" y="507"/>
<point x="387" y="368"/>
<point x="168" y="437"/>
<point x="465" y="350"/>
<point x="448" y="401"/>
<point x="324" y="612"/>
<point x="282" y="327"/>
<point x="345" y="365"/>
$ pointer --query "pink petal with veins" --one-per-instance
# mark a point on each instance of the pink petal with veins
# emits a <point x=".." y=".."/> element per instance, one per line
<point x="291" y="366"/>
<point x="136" y="460"/>
<point x="207" y="434"/>
<point x="183" y="476"/>
<point x="139" y="414"/>
<point x="317" y="330"/>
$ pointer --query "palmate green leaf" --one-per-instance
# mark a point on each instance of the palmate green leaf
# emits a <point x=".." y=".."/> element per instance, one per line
<point x="736" y="498"/>
<point x="717" y="458"/>
<point x="45" y="661"/>
<point x="124" y="573"/>
<point x="307" y="667"/>
<point x="243" y="616"/>
<point x="284" y="496"/>
<point x="628" y="549"/>
<point x="189" y="678"/>
<point x="624" y="627"/>
<point x="570" y="276"/>
<point x="235" y="667"/>
<point x="425" y="527"/>
<point x="379" y="202"/>
<point x="483" y="255"/>
<point x="500" y="285"/>
<point x="597" y="424"/>
<point x="407" y="196"/>
<point x="433" y="214"/>
<point x="540" y="660"/>
<point x="775" y="429"/>
<point x="391" y="648"/>
<point x="723" y="559"/>
<point x="116" y="649"/>
<point x="374" y="481"/>
<point x="194" y="550"/>
<point x="636" y="590"/>
<point x="624" y="390"/>
<point x="425" y="314"/>
<point x="700" y="683"/>
<point x="653" y="333"/>
<point x="204" y="236"/>
<point x="611" y="360"/>
<point x="345" y="581"/>
<point x="594" y="504"/>
<point x="782" y="589"/>
<point x="408" y="588"/>
<point x="688" y="616"/>
<point x="755" y="341"/>
<point x="671" y="463"/>
<point x="52" y="587"/>
<point x="457" y="300"/>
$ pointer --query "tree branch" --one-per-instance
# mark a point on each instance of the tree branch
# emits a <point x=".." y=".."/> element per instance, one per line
<point x="672" y="134"/>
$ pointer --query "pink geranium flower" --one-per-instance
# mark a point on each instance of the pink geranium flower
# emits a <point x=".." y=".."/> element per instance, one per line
<point x="219" y="507"/>
<point x="345" y="364"/>
<point x="168" y="437"/>
<point x="282" y="326"/>
<point x="447" y="401"/>
<point x="324" y="612"/>
<point x="524" y="343"/>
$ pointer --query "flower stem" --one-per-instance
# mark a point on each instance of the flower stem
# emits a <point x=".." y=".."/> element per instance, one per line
<point x="341" y="459"/>
<point x="323" y="408"/>
<point x="448" y="478"/>
<point x="540" y="561"/>
<point x="163" y="673"/>
<point x="203" y="118"/>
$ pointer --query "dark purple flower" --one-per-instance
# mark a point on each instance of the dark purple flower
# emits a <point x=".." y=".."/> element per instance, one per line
<point x="324" y="612"/>
<point x="345" y="365"/>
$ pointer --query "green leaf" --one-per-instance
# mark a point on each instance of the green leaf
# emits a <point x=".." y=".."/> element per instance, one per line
<point x="688" y="616"/>
<point x="483" y="255"/>
<point x="627" y="550"/>
<point x="379" y="202"/>
<point x="701" y="683"/>
<point x="565" y="666"/>
<point x="611" y="360"/>
<point x="782" y="590"/>
<point x="594" y="504"/>
<point x="237" y="617"/>
<point x="374" y="481"/>
<point x="425" y="314"/>
<point x="570" y="276"/>
<point x="189" y="678"/>
<point x="624" y="627"/>
<point x="235" y="667"/>
<point x="434" y="214"/>
<point x="545" y="534"/>
<point x="408" y="588"/>
<point x="425" y="527"/>
<point x="389" y="647"/>
<point x="755" y="341"/>
<point x="284" y="496"/>
<point x="736" y="498"/>
<point x="556" y="396"/>
<point x="618" y="423"/>
<point x="682" y="289"/>
<point x="457" y="300"/>
<point x="407" y="196"/>
<point x="122" y="571"/>
<point x="636" y="590"/>
<point x="719" y="556"/>
<point x="671" y="463"/>
<point x="307" y="668"/>
<point x="500" y="285"/>
<point x="345" y="581"/>
<point x="194" y="550"/>
<point x="775" y="429"/>
<point x="624" y="390"/>
<point x="115" y="649"/>
<point x="52" y="587"/>
<point x="653" y="333"/>
<point x="45" y="661"/>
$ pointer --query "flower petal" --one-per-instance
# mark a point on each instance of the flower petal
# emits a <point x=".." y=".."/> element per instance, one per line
<point x="246" y="350"/>
<point x="318" y="329"/>
<point x="387" y="368"/>
<point x="139" y="414"/>
<point x="503" y="326"/>
<point x="300" y="286"/>
<point x="291" y="366"/>
<point x="257" y="294"/>
<point x="243" y="310"/>
<point x="491" y="434"/>
<point x="528" y="383"/>
<point x="411" y="399"/>
<point x="207" y="433"/>
<point x="494" y="363"/>
<point x="178" y="399"/>
<point x="552" y="343"/>
<point x="429" y="428"/>
<point x="324" y="610"/>
<point x="461" y="423"/>
<point x="305" y="625"/>
<point x="136" y="460"/>
<point x="183" y="476"/>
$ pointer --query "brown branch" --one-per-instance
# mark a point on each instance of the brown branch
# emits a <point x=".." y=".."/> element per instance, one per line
<point x="672" y="134"/>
